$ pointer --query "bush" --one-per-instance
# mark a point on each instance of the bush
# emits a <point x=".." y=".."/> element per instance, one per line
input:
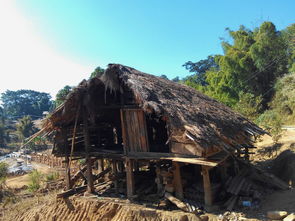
<point x="35" y="180"/>
<point x="3" y="171"/>
<point x="271" y="121"/>
<point x="52" y="176"/>
<point x="248" y="105"/>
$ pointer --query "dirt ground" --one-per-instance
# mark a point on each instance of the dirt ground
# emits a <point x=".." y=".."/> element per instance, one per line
<point x="99" y="208"/>
<point x="20" y="181"/>
<point x="89" y="208"/>
<point x="267" y="151"/>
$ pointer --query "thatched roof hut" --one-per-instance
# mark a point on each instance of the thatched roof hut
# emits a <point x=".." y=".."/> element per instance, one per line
<point x="126" y="115"/>
<point x="192" y="119"/>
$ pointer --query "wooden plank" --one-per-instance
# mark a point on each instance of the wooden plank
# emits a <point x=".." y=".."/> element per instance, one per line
<point x="207" y="186"/>
<point x="143" y="131"/>
<point x="124" y="135"/>
<point x="135" y="131"/>
<point x="84" y="187"/>
<point x="173" y="157"/>
<point x="181" y="205"/>
<point x="195" y="161"/>
<point x="102" y="173"/>
<point x="177" y="183"/>
<point x="129" y="178"/>
<point x="78" y="174"/>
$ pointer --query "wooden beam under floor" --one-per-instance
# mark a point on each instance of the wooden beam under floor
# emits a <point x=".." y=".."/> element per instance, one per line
<point x="207" y="186"/>
<point x="89" y="162"/>
<point x="177" y="183"/>
<point x="129" y="178"/>
<point x="68" y="173"/>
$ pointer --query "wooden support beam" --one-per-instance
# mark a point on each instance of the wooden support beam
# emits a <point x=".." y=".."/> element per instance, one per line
<point x="181" y="205"/>
<point x="129" y="178"/>
<point x="67" y="160"/>
<point x="207" y="186"/>
<point x="89" y="162"/>
<point x="159" y="180"/>
<point x="177" y="183"/>
<point x="68" y="173"/>
<point x="100" y="165"/>
<point x="79" y="174"/>
<point x="115" y="172"/>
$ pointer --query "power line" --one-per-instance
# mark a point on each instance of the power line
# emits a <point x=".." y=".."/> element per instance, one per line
<point x="275" y="60"/>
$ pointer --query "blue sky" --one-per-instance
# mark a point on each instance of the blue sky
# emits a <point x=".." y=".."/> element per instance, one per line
<point x="65" y="40"/>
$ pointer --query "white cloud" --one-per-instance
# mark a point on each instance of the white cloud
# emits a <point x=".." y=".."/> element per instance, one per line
<point x="27" y="61"/>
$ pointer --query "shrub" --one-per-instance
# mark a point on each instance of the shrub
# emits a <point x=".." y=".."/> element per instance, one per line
<point x="35" y="180"/>
<point x="52" y="176"/>
<point x="271" y="121"/>
<point x="3" y="171"/>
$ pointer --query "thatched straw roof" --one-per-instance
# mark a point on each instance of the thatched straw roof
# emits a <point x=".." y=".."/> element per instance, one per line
<point x="189" y="113"/>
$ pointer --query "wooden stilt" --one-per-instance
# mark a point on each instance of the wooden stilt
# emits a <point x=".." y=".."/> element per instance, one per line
<point x="120" y="165"/>
<point x="67" y="161"/>
<point x="68" y="173"/>
<point x="129" y="178"/>
<point x="115" y="172"/>
<point x="100" y="165"/>
<point x="159" y="180"/>
<point x="207" y="186"/>
<point x="177" y="183"/>
<point x="89" y="162"/>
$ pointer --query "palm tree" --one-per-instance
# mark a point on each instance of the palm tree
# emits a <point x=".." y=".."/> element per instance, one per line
<point x="25" y="127"/>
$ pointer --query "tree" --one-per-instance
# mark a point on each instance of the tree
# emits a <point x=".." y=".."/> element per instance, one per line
<point x="62" y="94"/>
<point x="199" y="69"/>
<point x="289" y="37"/>
<point x="25" y="102"/>
<point x="25" y="128"/>
<point x="250" y="65"/>
<point x="248" y="105"/>
<point x="164" y="77"/>
<point x="4" y="135"/>
<point x="97" y="72"/>
<point x="176" y="79"/>
<point x="283" y="102"/>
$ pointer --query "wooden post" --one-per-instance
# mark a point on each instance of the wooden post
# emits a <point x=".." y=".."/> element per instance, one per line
<point x="68" y="173"/>
<point x="177" y="183"/>
<point x="67" y="164"/>
<point x="159" y="180"/>
<point x="100" y="165"/>
<point x="89" y="162"/>
<point x="129" y="178"/>
<point x="115" y="172"/>
<point x="207" y="186"/>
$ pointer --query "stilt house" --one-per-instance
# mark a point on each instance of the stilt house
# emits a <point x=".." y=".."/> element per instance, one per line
<point x="134" y="119"/>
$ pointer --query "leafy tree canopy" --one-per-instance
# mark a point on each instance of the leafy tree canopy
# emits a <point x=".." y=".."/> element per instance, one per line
<point x="25" y="127"/>
<point x="62" y="94"/>
<point x="250" y="65"/>
<point x="25" y="102"/>
<point x="164" y="76"/>
<point x="199" y="69"/>
<point x="97" y="72"/>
